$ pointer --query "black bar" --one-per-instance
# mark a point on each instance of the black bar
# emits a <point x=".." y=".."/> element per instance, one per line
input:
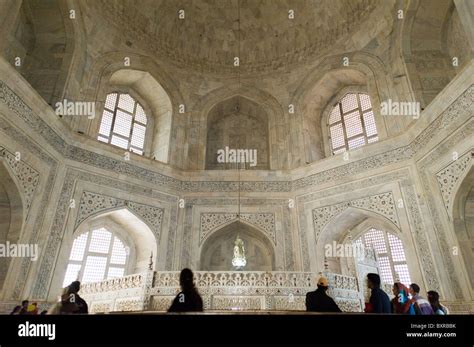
<point x="242" y="329"/>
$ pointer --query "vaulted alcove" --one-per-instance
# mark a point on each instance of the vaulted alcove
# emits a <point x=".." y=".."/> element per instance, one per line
<point x="218" y="250"/>
<point x="237" y="123"/>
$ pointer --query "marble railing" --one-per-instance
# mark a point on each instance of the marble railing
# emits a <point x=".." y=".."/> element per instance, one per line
<point x="127" y="282"/>
<point x="238" y="278"/>
<point x="345" y="291"/>
<point x="220" y="290"/>
<point x="127" y="293"/>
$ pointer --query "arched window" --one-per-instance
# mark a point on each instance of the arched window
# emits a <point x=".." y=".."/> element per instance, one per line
<point x="123" y="123"/>
<point x="352" y="123"/>
<point x="390" y="255"/>
<point x="96" y="255"/>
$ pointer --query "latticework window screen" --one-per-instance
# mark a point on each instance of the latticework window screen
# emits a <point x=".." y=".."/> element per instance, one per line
<point x="352" y="123"/>
<point x="96" y="255"/>
<point x="390" y="255"/>
<point x="123" y="123"/>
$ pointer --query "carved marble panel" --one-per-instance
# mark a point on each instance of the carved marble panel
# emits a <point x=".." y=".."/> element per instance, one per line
<point x="449" y="177"/>
<point x="161" y="303"/>
<point x="289" y="303"/>
<point x="100" y="307"/>
<point x="124" y="305"/>
<point x="382" y="204"/>
<point x="27" y="176"/>
<point x="418" y="229"/>
<point x="93" y="203"/>
<point x="232" y="302"/>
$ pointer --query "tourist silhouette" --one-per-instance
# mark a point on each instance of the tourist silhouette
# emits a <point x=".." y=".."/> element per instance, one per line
<point x="188" y="300"/>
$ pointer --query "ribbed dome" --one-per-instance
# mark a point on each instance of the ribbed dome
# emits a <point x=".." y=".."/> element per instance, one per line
<point x="208" y="37"/>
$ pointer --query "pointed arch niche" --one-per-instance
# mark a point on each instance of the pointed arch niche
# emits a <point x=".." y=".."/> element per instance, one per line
<point x="217" y="250"/>
<point x="463" y="220"/>
<point x="11" y="215"/>
<point x="134" y="234"/>
<point x="237" y="123"/>
<point x="347" y="227"/>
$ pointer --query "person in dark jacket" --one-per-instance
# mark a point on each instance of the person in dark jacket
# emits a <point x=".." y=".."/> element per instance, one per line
<point x="188" y="300"/>
<point x="319" y="301"/>
<point x="379" y="300"/>
<point x="24" y="307"/>
<point x="71" y="302"/>
<point x="16" y="310"/>
<point x="422" y="306"/>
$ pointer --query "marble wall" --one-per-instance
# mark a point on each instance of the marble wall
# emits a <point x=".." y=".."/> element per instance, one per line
<point x="408" y="182"/>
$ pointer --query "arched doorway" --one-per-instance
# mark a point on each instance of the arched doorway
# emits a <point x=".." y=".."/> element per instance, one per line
<point x="217" y="251"/>
<point x="463" y="221"/>
<point x="111" y="244"/>
<point x="11" y="216"/>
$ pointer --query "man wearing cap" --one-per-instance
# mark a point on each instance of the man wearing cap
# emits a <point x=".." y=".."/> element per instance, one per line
<point x="319" y="301"/>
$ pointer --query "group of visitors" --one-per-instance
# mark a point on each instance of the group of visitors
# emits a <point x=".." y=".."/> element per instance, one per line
<point x="68" y="303"/>
<point x="27" y="309"/>
<point x="402" y="303"/>
<point x="405" y="301"/>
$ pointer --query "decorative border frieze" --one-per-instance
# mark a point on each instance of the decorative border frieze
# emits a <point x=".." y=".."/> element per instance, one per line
<point x="466" y="131"/>
<point x="422" y="244"/>
<point x="382" y="204"/>
<point x="36" y="123"/>
<point x="93" y="203"/>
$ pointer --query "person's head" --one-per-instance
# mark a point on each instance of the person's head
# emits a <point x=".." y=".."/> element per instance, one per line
<point x="373" y="280"/>
<point x="433" y="297"/>
<point x="395" y="289"/>
<point x="414" y="289"/>
<point x="186" y="279"/>
<point x="25" y="303"/>
<point x="74" y="287"/>
<point x="323" y="283"/>
<point x="33" y="307"/>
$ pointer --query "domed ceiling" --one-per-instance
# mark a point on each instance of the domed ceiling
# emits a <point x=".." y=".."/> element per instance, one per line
<point x="213" y="32"/>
